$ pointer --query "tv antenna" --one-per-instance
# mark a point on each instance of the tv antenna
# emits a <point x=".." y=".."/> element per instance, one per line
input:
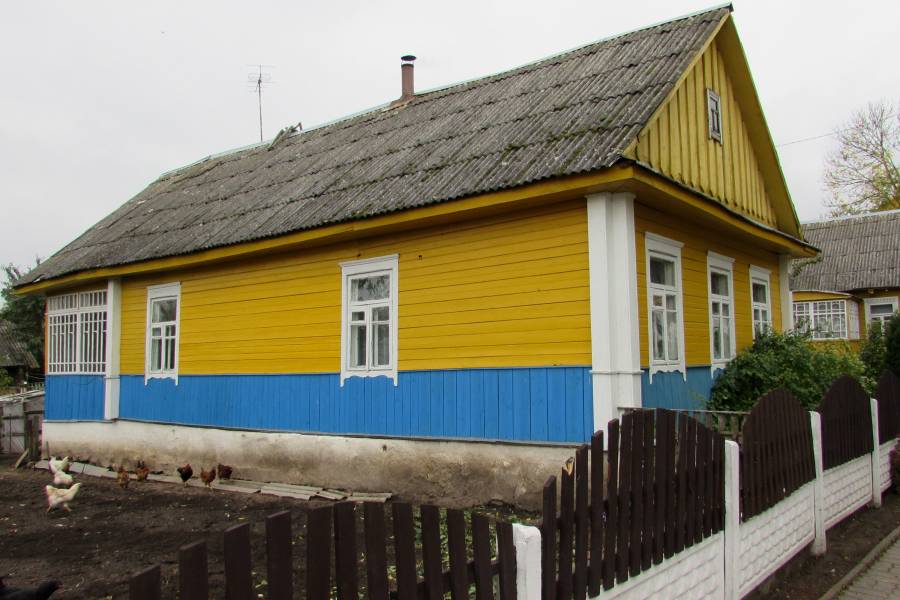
<point x="257" y="80"/>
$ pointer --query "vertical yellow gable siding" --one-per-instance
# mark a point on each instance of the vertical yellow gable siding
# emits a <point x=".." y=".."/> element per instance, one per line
<point x="497" y="292"/>
<point x="677" y="143"/>
<point x="698" y="241"/>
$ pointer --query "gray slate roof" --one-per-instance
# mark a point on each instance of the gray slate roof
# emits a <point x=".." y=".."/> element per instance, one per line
<point x="568" y="114"/>
<point x="858" y="253"/>
<point x="13" y="351"/>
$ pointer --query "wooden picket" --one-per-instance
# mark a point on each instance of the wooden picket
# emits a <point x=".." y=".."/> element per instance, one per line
<point x="331" y="541"/>
<point x="776" y="452"/>
<point x="846" y="422"/>
<point x="888" y="395"/>
<point x="663" y="488"/>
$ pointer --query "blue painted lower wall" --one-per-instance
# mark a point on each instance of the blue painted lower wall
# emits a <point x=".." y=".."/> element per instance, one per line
<point x="73" y="397"/>
<point x="526" y="404"/>
<point x="670" y="390"/>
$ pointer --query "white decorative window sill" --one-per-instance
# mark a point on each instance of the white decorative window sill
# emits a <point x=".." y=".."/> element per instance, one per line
<point x="667" y="368"/>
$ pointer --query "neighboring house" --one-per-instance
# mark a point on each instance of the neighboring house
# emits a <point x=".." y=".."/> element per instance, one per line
<point x="15" y="357"/>
<point x="855" y="281"/>
<point x="513" y="258"/>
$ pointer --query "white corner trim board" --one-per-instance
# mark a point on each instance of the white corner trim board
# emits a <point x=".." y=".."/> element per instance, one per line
<point x="113" y="348"/>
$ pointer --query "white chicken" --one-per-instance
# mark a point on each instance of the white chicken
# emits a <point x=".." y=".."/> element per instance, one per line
<point x="59" y="464"/>
<point x="61" y="497"/>
<point x="62" y="478"/>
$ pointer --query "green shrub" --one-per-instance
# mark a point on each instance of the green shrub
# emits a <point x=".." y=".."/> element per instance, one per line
<point x="892" y="344"/>
<point x="873" y="354"/>
<point x="782" y="360"/>
<point x="6" y="379"/>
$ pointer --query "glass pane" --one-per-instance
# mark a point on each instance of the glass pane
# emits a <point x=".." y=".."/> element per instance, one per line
<point x="164" y="310"/>
<point x="170" y="355"/>
<point x="717" y="338"/>
<point x="358" y="346"/>
<point x="718" y="283"/>
<point x="358" y="316"/>
<point x="662" y="271"/>
<point x="170" y="331"/>
<point x="155" y="354"/>
<point x="670" y="302"/>
<point x="381" y="345"/>
<point x="759" y="293"/>
<point x="881" y="309"/>
<point x="715" y="308"/>
<point x="659" y="348"/>
<point x="156" y="331"/>
<point x="364" y="289"/>
<point x="657" y="301"/>
<point x="672" y="330"/>
<point x="380" y="313"/>
<point x="726" y="309"/>
<point x="726" y="338"/>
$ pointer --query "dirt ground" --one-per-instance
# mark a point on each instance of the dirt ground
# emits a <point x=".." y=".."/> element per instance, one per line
<point x="112" y="533"/>
<point x="808" y="577"/>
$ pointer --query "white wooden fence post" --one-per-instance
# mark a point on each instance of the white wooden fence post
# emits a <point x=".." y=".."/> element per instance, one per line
<point x="732" y="519"/>
<point x="818" y="545"/>
<point x="528" y="561"/>
<point x="876" y="458"/>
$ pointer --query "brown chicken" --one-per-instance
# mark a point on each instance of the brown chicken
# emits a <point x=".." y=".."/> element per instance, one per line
<point x="207" y="476"/>
<point x="185" y="472"/>
<point x="122" y="477"/>
<point x="141" y="471"/>
<point x="224" y="471"/>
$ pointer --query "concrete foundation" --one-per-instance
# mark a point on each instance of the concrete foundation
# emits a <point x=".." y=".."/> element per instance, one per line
<point x="449" y="473"/>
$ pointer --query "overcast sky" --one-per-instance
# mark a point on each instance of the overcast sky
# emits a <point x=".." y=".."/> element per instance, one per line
<point x="99" y="98"/>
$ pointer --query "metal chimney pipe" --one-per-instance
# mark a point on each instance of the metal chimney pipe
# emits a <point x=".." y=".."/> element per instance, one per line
<point x="407" y="88"/>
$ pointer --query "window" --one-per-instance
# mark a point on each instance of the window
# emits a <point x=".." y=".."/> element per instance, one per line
<point x="880" y="310"/>
<point x="827" y="319"/>
<point x="76" y="333"/>
<point x="760" y="303"/>
<point x="162" y="331"/>
<point x="369" y="321"/>
<point x="721" y="308"/>
<point x="664" y="305"/>
<point x="714" y="111"/>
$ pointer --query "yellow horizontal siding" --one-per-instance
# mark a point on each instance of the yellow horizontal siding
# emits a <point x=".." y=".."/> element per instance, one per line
<point x="697" y="242"/>
<point x="501" y="291"/>
<point x="677" y="143"/>
<point x="817" y="295"/>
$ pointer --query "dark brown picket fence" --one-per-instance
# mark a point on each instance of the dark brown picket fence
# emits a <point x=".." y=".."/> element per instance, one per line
<point x="846" y="412"/>
<point x="663" y="492"/>
<point x="776" y="452"/>
<point x="888" y="395"/>
<point x="331" y="549"/>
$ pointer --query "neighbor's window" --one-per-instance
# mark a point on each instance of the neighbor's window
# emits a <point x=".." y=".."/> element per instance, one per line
<point x="664" y="303"/>
<point x="825" y="319"/>
<point x="76" y="332"/>
<point x="714" y="110"/>
<point x="369" y="340"/>
<point x="162" y="331"/>
<point x="721" y="308"/>
<point x="880" y="310"/>
<point x="760" y="302"/>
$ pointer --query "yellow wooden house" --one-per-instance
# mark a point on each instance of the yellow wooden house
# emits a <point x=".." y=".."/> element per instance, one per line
<point x="515" y="258"/>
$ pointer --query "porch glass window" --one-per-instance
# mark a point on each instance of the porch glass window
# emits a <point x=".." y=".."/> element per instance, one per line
<point x="825" y="319"/>
<point x="76" y="333"/>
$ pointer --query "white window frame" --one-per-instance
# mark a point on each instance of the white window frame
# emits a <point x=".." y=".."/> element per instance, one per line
<point x="662" y="247"/>
<point x="894" y="301"/>
<point x="764" y="277"/>
<point x="714" y="114"/>
<point x="81" y="309"/>
<point x="160" y="292"/>
<point x="809" y="326"/>
<point x="382" y="265"/>
<point x="723" y="265"/>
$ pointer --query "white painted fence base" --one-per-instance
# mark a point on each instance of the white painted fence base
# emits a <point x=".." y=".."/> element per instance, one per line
<point x="732" y="563"/>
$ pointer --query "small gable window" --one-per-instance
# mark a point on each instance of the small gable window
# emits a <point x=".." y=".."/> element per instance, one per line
<point x="714" y="110"/>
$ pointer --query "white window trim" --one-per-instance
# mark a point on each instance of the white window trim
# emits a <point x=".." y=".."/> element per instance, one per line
<point x="365" y="266"/>
<point x="666" y="248"/>
<point x="77" y="311"/>
<point x="155" y="292"/>
<point x="894" y="301"/>
<point x="812" y="318"/>
<point x="761" y="275"/>
<point x="722" y="264"/>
